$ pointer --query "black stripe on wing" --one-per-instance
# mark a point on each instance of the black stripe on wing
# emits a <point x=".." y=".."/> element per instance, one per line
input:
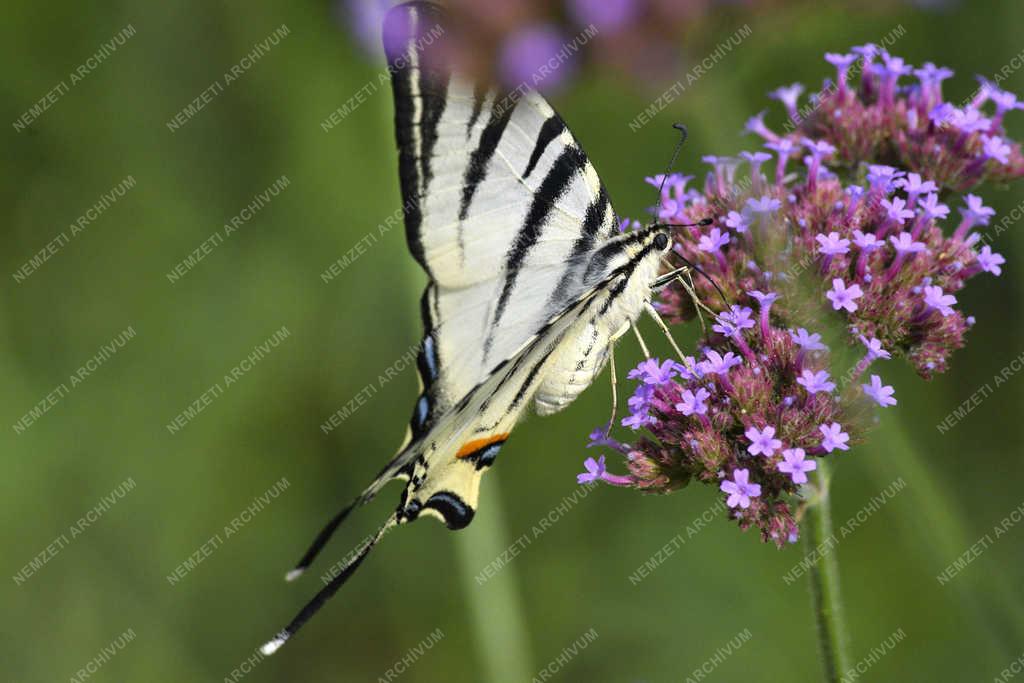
<point x="480" y="159"/>
<point x="479" y="95"/>
<point x="420" y="78"/>
<point x="552" y="128"/>
<point x="569" y="164"/>
<point x="593" y="223"/>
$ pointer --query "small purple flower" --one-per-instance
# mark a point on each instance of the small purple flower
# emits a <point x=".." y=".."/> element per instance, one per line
<point x="690" y="369"/>
<point x="913" y="185"/>
<point x="840" y="60"/>
<point x="819" y="148"/>
<point x="756" y="158"/>
<point x="694" y="403"/>
<point x="641" y="398"/>
<point x="976" y="211"/>
<point x="843" y="297"/>
<point x="833" y="437"/>
<point x="929" y="73"/>
<point x="762" y="298"/>
<point x="788" y="96"/>
<point x="842" y="64"/>
<point x="796" y="465"/>
<point x="734" y="320"/>
<point x="654" y="371"/>
<point x="932" y="208"/>
<point x="896" y="210"/>
<point x="762" y="441"/>
<point x="595" y="470"/>
<point x="713" y="241"/>
<point x="881" y="394"/>
<point x="718" y="364"/>
<point x="599" y="438"/>
<point x="934" y="298"/>
<point x="814" y="382"/>
<point x="942" y="113"/>
<point x="807" y="341"/>
<point x="895" y="66"/>
<point x="868" y="51"/>
<point x="784" y="147"/>
<point x="904" y="244"/>
<point x="755" y="124"/>
<point x="766" y="204"/>
<point x="832" y="244"/>
<point x="995" y="148"/>
<point x="740" y="490"/>
<point x="657" y="179"/>
<point x="969" y="120"/>
<point x="883" y="177"/>
<point x="637" y="420"/>
<point x="737" y="221"/>
<point x="669" y="208"/>
<point x="990" y="261"/>
<point x="866" y="240"/>
<point x="874" y="347"/>
<point x="1004" y="101"/>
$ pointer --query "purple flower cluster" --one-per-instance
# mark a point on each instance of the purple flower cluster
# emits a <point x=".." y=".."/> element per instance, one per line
<point x="896" y="114"/>
<point x="823" y="234"/>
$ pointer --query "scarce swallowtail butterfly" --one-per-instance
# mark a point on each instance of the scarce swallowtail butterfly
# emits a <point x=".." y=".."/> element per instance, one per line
<point x="530" y="280"/>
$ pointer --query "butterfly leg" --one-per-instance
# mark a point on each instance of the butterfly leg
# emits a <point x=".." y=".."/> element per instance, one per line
<point x="615" y="389"/>
<point x="643" y="345"/>
<point x="698" y="305"/>
<point x="671" y="340"/>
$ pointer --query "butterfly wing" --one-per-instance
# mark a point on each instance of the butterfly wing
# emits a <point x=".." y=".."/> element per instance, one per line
<point x="503" y="210"/>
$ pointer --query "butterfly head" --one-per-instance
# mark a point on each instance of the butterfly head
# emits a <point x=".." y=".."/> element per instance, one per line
<point x="661" y="233"/>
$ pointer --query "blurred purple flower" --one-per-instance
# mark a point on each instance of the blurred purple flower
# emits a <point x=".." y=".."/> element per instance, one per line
<point x="525" y="58"/>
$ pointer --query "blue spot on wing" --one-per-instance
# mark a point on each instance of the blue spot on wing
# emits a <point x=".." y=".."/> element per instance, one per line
<point x="419" y="418"/>
<point x="429" y="357"/>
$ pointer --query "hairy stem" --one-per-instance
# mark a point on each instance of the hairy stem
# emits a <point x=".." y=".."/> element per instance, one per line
<point x="824" y="581"/>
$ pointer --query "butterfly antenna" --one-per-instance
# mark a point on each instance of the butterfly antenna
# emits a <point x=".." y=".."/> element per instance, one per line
<point x="696" y="268"/>
<point x="675" y="155"/>
<point x="326" y="593"/>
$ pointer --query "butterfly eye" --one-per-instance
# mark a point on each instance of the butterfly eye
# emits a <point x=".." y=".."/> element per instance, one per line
<point x="661" y="241"/>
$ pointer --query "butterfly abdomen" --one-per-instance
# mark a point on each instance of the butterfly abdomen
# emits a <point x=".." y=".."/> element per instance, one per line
<point x="574" y="368"/>
<point x="586" y="348"/>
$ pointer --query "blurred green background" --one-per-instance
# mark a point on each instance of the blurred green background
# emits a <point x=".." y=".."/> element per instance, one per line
<point x="187" y="486"/>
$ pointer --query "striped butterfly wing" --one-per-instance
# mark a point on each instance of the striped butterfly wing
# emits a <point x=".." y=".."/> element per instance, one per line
<point x="503" y="210"/>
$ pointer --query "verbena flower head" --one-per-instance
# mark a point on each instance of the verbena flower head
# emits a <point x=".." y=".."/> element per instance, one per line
<point x="854" y="242"/>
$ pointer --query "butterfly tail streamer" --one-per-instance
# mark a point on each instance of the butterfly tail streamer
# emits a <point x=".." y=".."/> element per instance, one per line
<point x="321" y="540"/>
<point x="389" y="473"/>
<point x="327" y="592"/>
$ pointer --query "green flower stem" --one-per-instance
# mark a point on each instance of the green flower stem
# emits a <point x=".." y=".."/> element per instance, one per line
<point x="824" y="581"/>
<point x="495" y="608"/>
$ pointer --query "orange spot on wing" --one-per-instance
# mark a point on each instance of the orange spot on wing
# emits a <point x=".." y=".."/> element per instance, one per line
<point x="471" y="447"/>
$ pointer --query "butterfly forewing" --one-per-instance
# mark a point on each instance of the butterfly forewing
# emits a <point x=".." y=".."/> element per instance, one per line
<point x="503" y="208"/>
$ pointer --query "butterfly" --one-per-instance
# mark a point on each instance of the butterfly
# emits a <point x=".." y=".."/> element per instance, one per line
<point x="530" y="280"/>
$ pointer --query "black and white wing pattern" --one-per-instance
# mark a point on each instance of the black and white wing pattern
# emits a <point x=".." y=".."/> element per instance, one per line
<point x="529" y="283"/>
<point x="502" y="209"/>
